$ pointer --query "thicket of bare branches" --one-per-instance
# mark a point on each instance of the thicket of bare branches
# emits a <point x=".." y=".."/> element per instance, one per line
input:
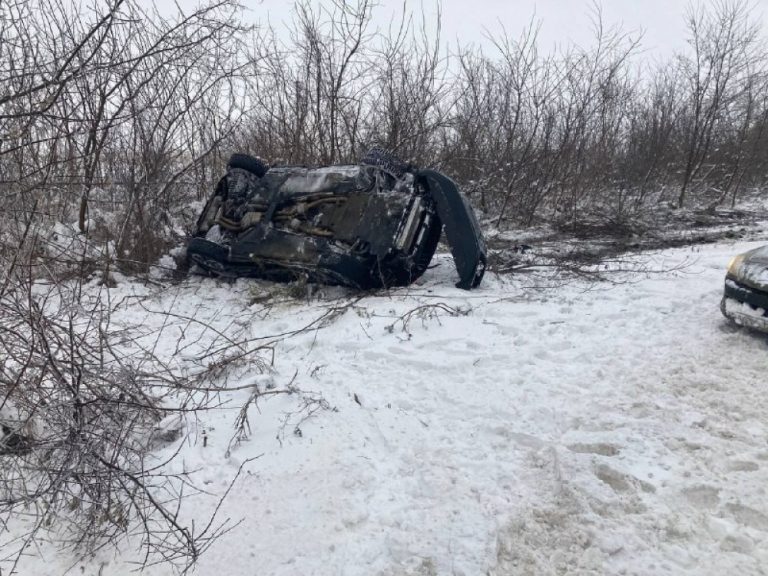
<point x="130" y="110"/>
<point x="529" y="135"/>
<point x="115" y="108"/>
<point x="83" y="402"/>
<point x="110" y="120"/>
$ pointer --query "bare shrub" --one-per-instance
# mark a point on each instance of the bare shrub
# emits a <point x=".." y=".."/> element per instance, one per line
<point x="115" y="109"/>
<point x="726" y="58"/>
<point x="80" y="404"/>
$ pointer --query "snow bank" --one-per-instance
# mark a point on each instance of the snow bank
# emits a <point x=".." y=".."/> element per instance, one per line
<point x="588" y="429"/>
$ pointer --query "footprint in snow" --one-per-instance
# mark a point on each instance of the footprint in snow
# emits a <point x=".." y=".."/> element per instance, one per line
<point x="748" y="517"/>
<point x="621" y="482"/>
<point x="702" y="496"/>
<point x="743" y="466"/>
<point x="600" y="448"/>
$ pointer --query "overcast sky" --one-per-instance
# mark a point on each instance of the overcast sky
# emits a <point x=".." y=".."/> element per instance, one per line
<point x="662" y="21"/>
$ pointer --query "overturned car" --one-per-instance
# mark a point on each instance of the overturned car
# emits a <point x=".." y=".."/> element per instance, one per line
<point x="368" y="225"/>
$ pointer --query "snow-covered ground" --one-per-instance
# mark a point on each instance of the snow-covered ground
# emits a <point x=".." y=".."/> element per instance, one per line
<point x="584" y="429"/>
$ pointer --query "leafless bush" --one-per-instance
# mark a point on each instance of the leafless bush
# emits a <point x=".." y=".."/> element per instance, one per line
<point x="720" y="75"/>
<point x="115" y="108"/>
<point x="80" y="404"/>
<point x="309" y="97"/>
<point x="129" y="117"/>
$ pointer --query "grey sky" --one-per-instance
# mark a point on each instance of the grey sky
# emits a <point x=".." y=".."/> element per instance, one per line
<point x="562" y="20"/>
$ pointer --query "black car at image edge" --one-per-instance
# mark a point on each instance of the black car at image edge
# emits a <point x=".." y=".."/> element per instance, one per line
<point x="745" y="299"/>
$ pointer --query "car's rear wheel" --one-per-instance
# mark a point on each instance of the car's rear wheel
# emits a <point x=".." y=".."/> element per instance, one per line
<point x="255" y="166"/>
<point x="382" y="158"/>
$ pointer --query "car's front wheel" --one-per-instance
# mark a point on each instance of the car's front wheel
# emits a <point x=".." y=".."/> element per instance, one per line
<point x="382" y="158"/>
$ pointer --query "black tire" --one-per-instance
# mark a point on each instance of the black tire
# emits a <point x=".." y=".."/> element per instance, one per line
<point x="382" y="158"/>
<point x="255" y="166"/>
<point x="209" y="256"/>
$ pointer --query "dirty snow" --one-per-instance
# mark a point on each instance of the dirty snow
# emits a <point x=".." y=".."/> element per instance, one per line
<point x="316" y="180"/>
<point x="744" y="314"/>
<point x="583" y="429"/>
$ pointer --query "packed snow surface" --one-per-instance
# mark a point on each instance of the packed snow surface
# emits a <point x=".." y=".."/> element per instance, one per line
<point x="515" y="429"/>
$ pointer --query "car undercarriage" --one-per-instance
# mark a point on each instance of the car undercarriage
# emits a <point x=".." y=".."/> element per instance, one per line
<point x="368" y="225"/>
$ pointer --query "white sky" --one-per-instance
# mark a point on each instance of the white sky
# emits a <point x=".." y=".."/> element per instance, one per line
<point x="562" y="21"/>
<point x="662" y="21"/>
